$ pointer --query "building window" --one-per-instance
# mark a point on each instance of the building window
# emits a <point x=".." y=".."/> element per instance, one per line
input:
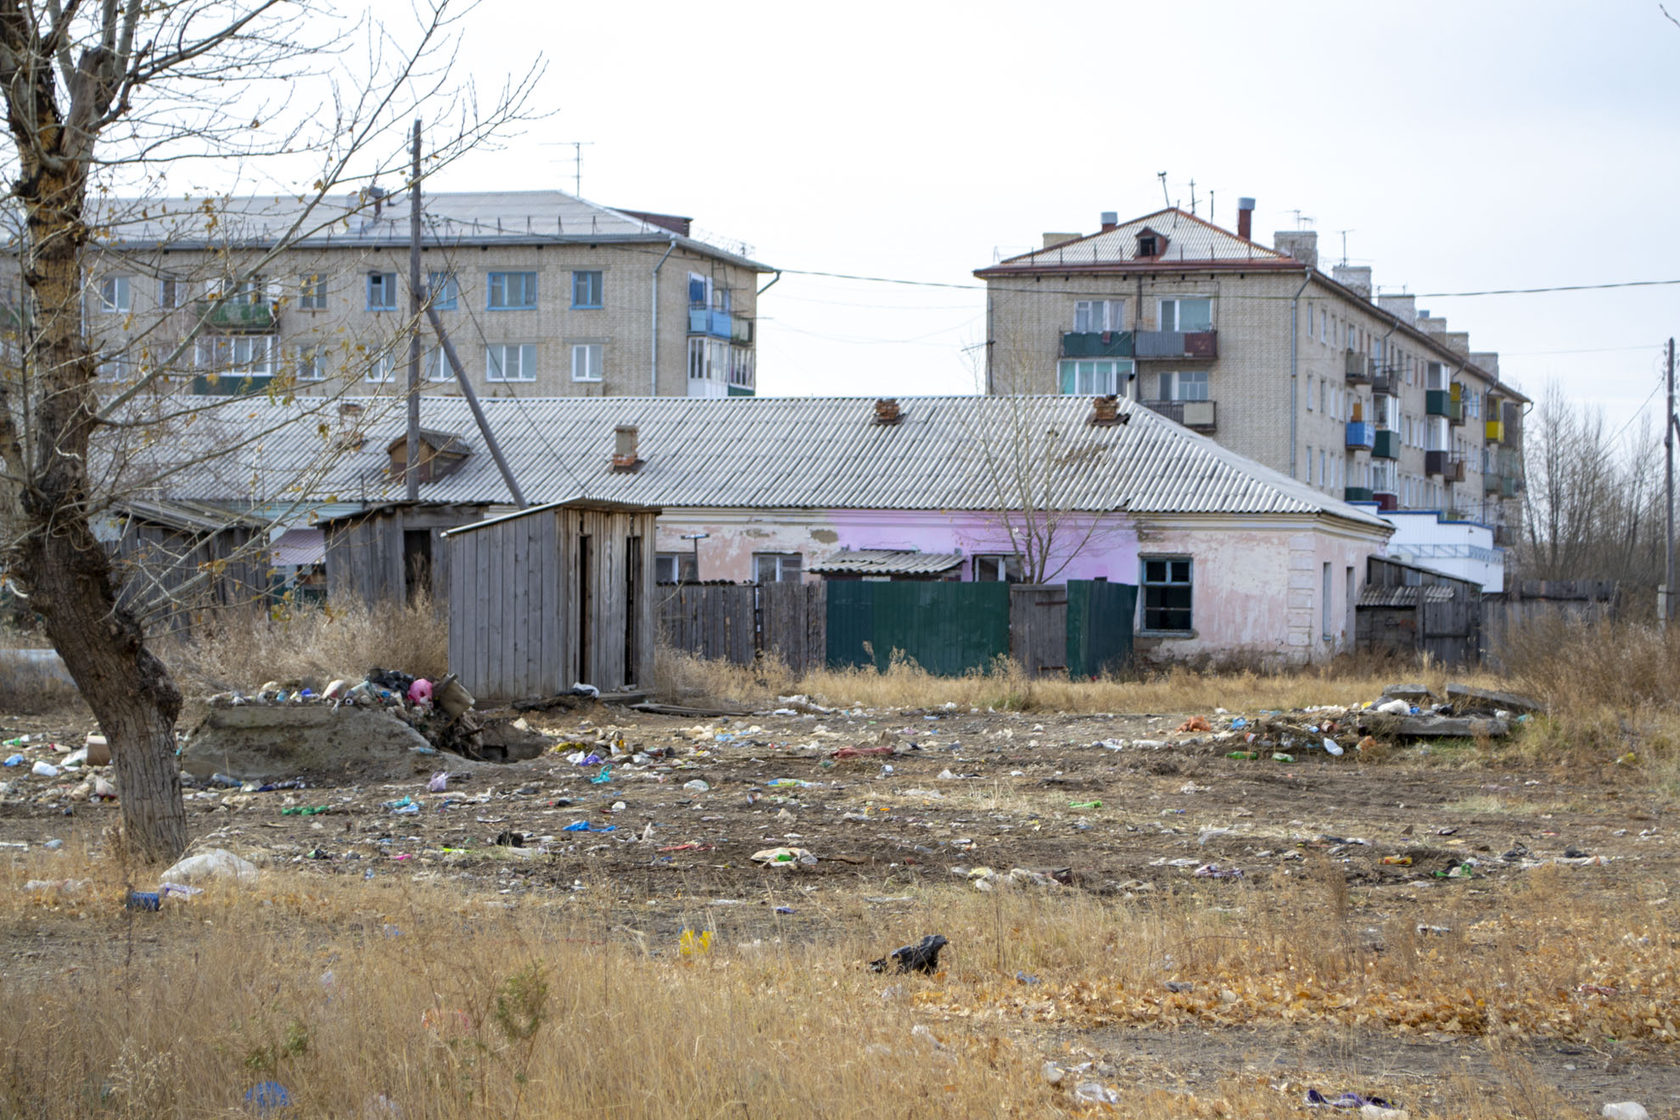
<point x="444" y="291"/>
<point x="708" y="367"/>
<point x="1311" y="382"/>
<point x="1183" y="385"/>
<point x="510" y="361"/>
<point x="116" y="294"/>
<point x="434" y="365"/>
<point x="114" y="366"/>
<point x="382" y="368"/>
<point x="1324" y="609"/>
<point x="172" y="292"/>
<point x="1187" y="314"/>
<point x="675" y="567"/>
<point x="586" y="289"/>
<point x="310" y="366"/>
<point x="312" y="292"/>
<point x="1092" y="316"/>
<point x="699" y="290"/>
<point x="239" y="355"/>
<point x="741" y="367"/>
<point x="1093" y="378"/>
<point x="513" y="291"/>
<point x="1166" y="593"/>
<point x="587" y="360"/>
<point x="1001" y="566"/>
<point x="776" y="567"/>
<point x="382" y="291"/>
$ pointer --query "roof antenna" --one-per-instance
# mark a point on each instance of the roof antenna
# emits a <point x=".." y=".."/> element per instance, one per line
<point x="1344" y="233"/>
<point x="1162" y="175"/>
<point x="1192" y="198"/>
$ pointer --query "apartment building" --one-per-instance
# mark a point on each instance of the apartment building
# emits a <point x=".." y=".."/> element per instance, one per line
<point x="541" y="293"/>
<point x="1360" y="395"/>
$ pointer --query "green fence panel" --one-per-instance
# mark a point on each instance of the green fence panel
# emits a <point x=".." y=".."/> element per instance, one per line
<point x="946" y="628"/>
<point x="1099" y="626"/>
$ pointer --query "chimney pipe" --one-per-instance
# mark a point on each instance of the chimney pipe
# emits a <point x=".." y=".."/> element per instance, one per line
<point x="625" y="457"/>
<point x="1245" y="219"/>
<point x="1105" y="412"/>
<point x="1110" y="220"/>
<point x="886" y="411"/>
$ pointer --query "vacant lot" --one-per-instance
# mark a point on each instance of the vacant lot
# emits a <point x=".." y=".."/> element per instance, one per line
<point x="1459" y="929"/>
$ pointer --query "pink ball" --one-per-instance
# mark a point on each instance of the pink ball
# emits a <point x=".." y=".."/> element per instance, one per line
<point x="420" y="692"/>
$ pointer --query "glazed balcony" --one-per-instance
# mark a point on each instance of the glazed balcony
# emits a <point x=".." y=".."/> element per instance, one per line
<point x="1177" y="345"/>
<point x="1358" y="367"/>
<point x="1385" y="444"/>
<point x="1359" y="435"/>
<point x="1357" y="494"/>
<point x="1097" y="344"/>
<point x="238" y="316"/>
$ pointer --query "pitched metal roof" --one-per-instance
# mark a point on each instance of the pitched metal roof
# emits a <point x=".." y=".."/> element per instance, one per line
<point x="350" y="221"/>
<point x="944" y="453"/>
<point x="1189" y="239"/>
<point x="887" y="562"/>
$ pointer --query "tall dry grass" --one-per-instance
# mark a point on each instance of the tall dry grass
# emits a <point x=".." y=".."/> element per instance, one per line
<point x="311" y="646"/>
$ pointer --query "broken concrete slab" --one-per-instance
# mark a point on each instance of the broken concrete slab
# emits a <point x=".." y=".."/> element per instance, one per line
<point x="1467" y="698"/>
<point x="1412" y="693"/>
<point x="259" y="742"/>
<point x="1447" y="727"/>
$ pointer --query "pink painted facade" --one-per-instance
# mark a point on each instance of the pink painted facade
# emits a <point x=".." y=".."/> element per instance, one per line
<point x="1281" y="588"/>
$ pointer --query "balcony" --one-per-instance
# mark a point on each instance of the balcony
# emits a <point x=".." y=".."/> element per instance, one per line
<point x="1359" y="435"/>
<point x="1440" y="402"/>
<point x="1097" y="344"/>
<point x="1492" y="482"/>
<point x="1381" y="382"/>
<point x="1509" y="486"/>
<point x="743" y="332"/>
<point x="1496" y="431"/>
<point x="1198" y="416"/>
<point x="1385" y="444"/>
<point x="1435" y="462"/>
<point x="704" y="320"/>
<point x="1357" y="494"/>
<point x="1202" y="345"/>
<point x="1454" y="469"/>
<point x="1387" y="501"/>
<point x="237" y="316"/>
<point x="1358" y="367"/>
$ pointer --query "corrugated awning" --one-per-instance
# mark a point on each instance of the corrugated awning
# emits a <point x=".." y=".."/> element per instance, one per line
<point x="887" y="562"/>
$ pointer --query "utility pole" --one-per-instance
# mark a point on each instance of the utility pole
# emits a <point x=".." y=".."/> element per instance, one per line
<point x="416" y="305"/>
<point x="1667" y="596"/>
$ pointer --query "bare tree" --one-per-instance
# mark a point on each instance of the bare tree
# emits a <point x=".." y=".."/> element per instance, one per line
<point x="107" y="96"/>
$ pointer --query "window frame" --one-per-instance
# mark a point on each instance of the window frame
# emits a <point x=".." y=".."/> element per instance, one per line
<point x="495" y="369"/>
<point x="1112" y="315"/>
<point x="496" y="286"/>
<point x="172" y="292"/>
<point x="1152" y="589"/>
<point x="312" y="292"/>
<point x="1120" y="372"/>
<point x="1178" y="316"/>
<point x="597" y="287"/>
<point x="1004" y="567"/>
<point x="238" y="368"/>
<point x="595" y="350"/>
<point x="116" y="294"/>
<point x="782" y="567"/>
<point x="685" y="567"/>
<point x="444" y="290"/>
<point x="308" y="357"/>
<point x="387" y="282"/>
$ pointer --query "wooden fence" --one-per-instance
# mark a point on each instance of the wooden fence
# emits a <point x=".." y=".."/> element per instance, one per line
<point x="738" y="622"/>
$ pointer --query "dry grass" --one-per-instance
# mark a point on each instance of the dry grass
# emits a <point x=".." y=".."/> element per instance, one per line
<point x="312" y="646"/>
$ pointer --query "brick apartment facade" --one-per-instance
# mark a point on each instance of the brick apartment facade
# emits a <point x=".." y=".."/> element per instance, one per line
<point x="1363" y="398"/>
<point x="542" y="294"/>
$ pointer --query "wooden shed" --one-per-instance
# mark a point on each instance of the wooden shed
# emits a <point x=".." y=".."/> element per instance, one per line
<point x="394" y="552"/>
<point x="1407" y="610"/>
<point x="177" y="560"/>
<point x="552" y="596"/>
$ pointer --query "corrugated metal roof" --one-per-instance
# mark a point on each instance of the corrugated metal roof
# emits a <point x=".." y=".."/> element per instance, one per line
<point x="450" y="218"/>
<point x="945" y="453"/>
<point x="1370" y="596"/>
<point x="887" y="562"/>
<point x="1189" y="238"/>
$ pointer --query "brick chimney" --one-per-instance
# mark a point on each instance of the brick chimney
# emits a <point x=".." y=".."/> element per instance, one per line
<point x="1302" y="244"/>
<point x="1245" y="219"/>
<point x="1110" y="221"/>
<point x="886" y="412"/>
<point x="625" y="457"/>
<point x="1105" y="412"/>
<point x="1355" y="277"/>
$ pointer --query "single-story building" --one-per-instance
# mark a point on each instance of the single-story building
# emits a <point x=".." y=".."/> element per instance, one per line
<point x="1229" y="557"/>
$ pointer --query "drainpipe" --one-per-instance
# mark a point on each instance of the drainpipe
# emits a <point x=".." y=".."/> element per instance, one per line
<point x="653" y="361"/>
<point x="1295" y="367"/>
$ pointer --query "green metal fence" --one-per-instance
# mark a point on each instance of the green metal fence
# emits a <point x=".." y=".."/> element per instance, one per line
<point x="946" y="628"/>
<point x="1099" y="626"/>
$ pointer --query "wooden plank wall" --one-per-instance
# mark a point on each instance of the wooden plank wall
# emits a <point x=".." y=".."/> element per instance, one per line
<point x="714" y="621"/>
<point x="1038" y="627"/>
<point x="793" y="623"/>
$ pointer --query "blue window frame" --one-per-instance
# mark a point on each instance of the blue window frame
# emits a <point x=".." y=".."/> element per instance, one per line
<point x="443" y="290"/>
<point x="512" y="291"/>
<point x="382" y="291"/>
<point x="586" y="289"/>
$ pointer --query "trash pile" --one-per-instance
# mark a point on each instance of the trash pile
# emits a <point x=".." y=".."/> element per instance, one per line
<point x="441" y="712"/>
<point x="40" y="768"/>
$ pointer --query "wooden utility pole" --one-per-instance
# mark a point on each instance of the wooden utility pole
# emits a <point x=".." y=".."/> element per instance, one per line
<point x="416" y="307"/>
<point x="1667" y="598"/>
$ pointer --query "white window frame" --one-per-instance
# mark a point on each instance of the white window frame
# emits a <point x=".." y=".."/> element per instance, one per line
<point x="382" y="369"/>
<point x="743" y="363"/>
<point x="1094" y="316"/>
<point x="497" y="293"/>
<point x="172" y="292"/>
<point x="708" y="367"/>
<point x="588" y="361"/>
<point x="1177" y="313"/>
<point x="116" y="294"/>
<point x="1093" y="377"/>
<point x="386" y="285"/>
<point x="256" y="361"/>
<point x="1174" y="381"/>
<point x="434" y="365"/>
<point x="995" y="567"/>
<point x="495" y="361"/>
<point x="786" y="567"/>
<point x="312" y="292"/>
<point x="308" y="364"/>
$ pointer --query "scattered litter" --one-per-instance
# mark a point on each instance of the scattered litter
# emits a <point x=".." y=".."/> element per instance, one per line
<point x="783" y="857"/>
<point x="1625" y="1110"/>
<point x="692" y="944"/>
<point x="143" y="900"/>
<point x="1195" y="723"/>
<point x="439" y="782"/>
<point x="266" y="1097"/>
<point x="1084" y="804"/>
<point x="603" y="777"/>
<point x="1315" y="1099"/>
<point x="1279" y="756"/>
<point x="697" y="786"/>
<point x="1094" y="1092"/>
<point x="1214" y="871"/>
<point x="44" y="770"/>
<point x="215" y="863"/>
<point x="920" y="957"/>
<point x="585" y="826"/>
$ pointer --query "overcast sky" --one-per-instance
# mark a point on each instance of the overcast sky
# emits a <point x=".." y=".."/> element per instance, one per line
<point x="1462" y="146"/>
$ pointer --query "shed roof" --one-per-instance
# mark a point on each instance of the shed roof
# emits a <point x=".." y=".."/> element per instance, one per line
<point x="943" y="453"/>
<point x="887" y="562"/>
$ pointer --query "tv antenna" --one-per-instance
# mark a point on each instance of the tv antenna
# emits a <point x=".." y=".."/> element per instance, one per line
<point x="1344" y="233"/>
<point x="1192" y="197"/>
<point x="577" y="147"/>
<point x="1162" y="175"/>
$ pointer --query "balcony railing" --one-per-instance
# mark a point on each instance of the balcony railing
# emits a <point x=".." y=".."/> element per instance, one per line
<point x="1435" y="462"/>
<point x="704" y="320"/>
<point x="1356" y="494"/>
<point x="235" y="316"/>
<point x="742" y="335"/>
<point x="1203" y="345"/>
<point x="1491" y="482"/>
<point x="230" y="385"/>
<point x="1381" y="382"/>
<point x="1359" y="433"/>
<point x="1200" y="416"/>
<point x="1454" y="469"/>
<point x="1385" y="444"/>
<point x="1495" y="431"/>
<point x="1386" y="500"/>
<point x="1440" y="402"/>
<point x="1358" y="367"/>
<point x="1097" y="344"/>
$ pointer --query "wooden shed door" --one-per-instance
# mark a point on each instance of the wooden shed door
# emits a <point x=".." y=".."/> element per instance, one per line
<point x="632" y="608"/>
<point x="585" y="609"/>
